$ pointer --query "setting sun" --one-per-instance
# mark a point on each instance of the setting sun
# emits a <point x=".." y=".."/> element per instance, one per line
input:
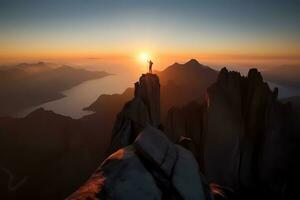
<point x="144" y="57"/>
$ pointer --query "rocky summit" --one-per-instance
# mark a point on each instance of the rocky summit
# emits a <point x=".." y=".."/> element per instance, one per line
<point x="142" y="110"/>
<point x="147" y="165"/>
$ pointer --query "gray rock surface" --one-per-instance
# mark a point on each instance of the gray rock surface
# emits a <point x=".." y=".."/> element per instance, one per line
<point x="151" y="168"/>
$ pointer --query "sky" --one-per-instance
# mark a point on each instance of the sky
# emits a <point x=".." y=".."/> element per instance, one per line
<point x="209" y="29"/>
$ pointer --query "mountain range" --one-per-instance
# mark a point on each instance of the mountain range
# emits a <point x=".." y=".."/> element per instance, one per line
<point x="235" y="123"/>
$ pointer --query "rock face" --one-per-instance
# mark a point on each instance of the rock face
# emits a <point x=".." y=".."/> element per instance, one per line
<point x="151" y="168"/>
<point x="142" y="110"/>
<point x="235" y="120"/>
<point x="242" y="134"/>
<point x="187" y="122"/>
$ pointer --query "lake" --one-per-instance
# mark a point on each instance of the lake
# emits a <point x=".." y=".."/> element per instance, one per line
<point x="85" y="94"/>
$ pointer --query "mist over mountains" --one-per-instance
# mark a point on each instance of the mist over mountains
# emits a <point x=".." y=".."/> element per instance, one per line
<point x="25" y="85"/>
<point x="285" y="74"/>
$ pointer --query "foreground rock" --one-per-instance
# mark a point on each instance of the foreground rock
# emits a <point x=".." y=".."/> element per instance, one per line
<point x="151" y="168"/>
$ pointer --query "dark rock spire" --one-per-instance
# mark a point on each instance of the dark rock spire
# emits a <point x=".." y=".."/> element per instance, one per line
<point x="142" y="110"/>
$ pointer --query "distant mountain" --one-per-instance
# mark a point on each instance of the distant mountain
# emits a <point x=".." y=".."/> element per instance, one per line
<point x="183" y="74"/>
<point x="27" y="85"/>
<point x="191" y="78"/>
<point x="108" y="102"/>
<point x="182" y="83"/>
<point x="286" y="75"/>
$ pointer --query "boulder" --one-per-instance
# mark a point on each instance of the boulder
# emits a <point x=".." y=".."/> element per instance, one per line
<point x="151" y="168"/>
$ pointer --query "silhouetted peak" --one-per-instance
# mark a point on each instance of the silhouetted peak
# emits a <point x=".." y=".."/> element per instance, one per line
<point x="275" y="93"/>
<point x="192" y="62"/>
<point x="41" y="63"/>
<point x="148" y="89"/>
<point x="224" y="70"/>
<point x="41" y="112"/>
<point x="146" y="81"/>
<point x="254" y="74"/>
<point x="223" y="74"/>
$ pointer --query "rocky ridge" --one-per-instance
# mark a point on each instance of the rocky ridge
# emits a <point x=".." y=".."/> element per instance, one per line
<point x="242" y="134"/>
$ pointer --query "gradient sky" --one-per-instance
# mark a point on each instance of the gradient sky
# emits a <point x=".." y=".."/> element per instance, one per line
<point x="94" y="28"/>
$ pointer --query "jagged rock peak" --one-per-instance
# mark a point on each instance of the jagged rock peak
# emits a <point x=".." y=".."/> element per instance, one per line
<point x="148" y="89"/>
<point x="254" y="74"/>
<point x="142" y="110"/>
<point x="223" y="75"/>
<point x="226" y="76"/>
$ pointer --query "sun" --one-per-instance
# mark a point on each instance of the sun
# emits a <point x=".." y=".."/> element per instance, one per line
<point x="144" y="57"/>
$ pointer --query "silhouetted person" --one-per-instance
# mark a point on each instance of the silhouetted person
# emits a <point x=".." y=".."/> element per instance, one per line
<point x="150" y="66"/>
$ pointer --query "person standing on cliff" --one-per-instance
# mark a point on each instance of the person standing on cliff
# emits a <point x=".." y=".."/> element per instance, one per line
<point x="150" y="66"/>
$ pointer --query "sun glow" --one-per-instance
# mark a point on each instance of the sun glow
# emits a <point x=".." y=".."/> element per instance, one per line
<point x="144" y="57"/>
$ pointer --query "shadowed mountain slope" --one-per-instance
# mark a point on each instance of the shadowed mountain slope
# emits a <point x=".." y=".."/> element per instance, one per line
<point x="47" y="156"/>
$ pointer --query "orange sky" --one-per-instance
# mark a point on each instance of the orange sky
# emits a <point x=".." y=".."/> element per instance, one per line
<point x="227" y="32"/>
